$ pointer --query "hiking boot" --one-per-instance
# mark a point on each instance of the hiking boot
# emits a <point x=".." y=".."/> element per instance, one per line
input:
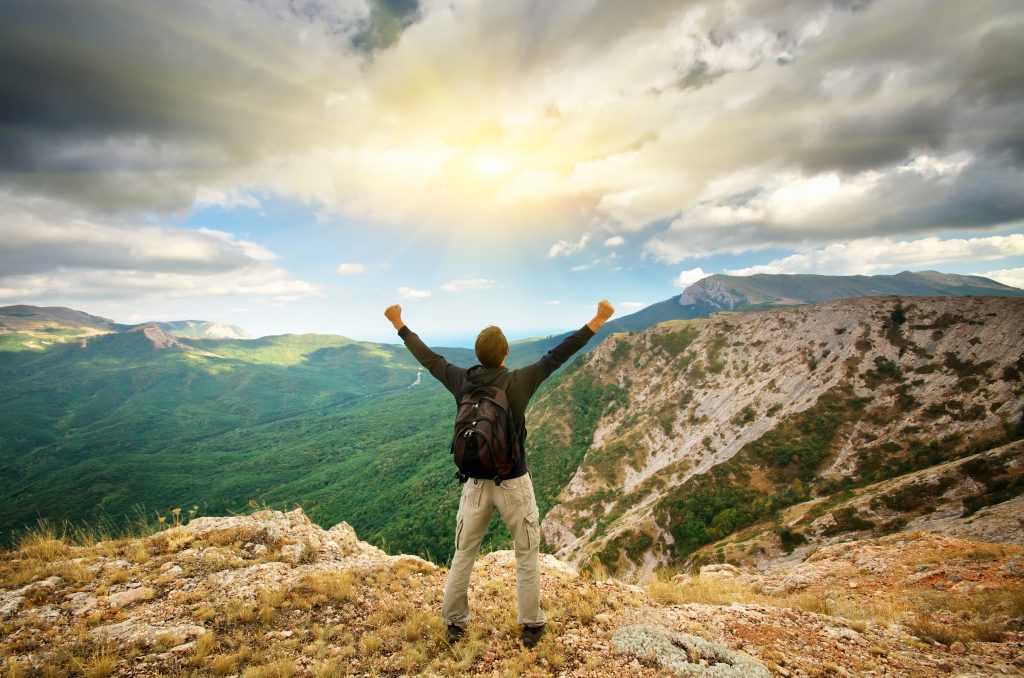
<point x="532" y="634"/>
<point x="455" y="633"/>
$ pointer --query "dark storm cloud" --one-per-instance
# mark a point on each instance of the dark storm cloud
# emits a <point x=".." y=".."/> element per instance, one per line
<point x="133" y="104"/>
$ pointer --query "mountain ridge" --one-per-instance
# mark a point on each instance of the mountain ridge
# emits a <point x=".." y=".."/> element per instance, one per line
<point x="778" y="401"/>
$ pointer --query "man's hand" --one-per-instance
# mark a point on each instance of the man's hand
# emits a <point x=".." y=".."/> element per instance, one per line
<point x="604" y="311"/>
<point x="394" y="314"/>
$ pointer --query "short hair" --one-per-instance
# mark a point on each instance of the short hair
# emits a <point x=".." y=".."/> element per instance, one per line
<point x="491" y="346"/>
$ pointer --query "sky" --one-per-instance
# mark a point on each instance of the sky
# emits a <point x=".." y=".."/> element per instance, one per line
<point x="299" y="165"/>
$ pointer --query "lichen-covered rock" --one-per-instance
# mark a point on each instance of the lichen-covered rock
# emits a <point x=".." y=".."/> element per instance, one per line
<point x="135" y="633"/>
<point x="723" y="570"/>
<point x="507" y="559"/>
<point x="129" y="596"/>
<point x="685" y="654"/>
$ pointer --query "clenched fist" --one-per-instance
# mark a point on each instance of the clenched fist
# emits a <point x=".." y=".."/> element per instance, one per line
<point x="394" y="314"/>
<point x="604" y="310"/>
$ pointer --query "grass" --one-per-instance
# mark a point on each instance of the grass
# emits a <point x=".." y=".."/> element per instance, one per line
<point x="708" y="590"/>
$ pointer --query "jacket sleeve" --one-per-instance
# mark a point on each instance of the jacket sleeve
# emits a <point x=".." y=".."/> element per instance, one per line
<point x="442" y="370"/>
<point x="536" y="373"/>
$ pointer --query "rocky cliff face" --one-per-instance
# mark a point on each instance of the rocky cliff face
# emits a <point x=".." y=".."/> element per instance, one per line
<point x="719" y="423"/>
<point x="271" y="594"/>
<point x="713" y="293"/>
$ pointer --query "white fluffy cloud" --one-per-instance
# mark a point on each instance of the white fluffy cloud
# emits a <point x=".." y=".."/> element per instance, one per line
<point x="351" y="269"/>
<point x="412" y="293"/>
<point x="564" y="248"/>
<point x="463" y="284"/>
<point x="615" y="241"/>
<point x="1014" y="277"/>
<point x="49" y="251"/>
<point x="688" y="277"/>
<point x="703" y="127"/>
<point x="870" y="255"/>
<point x="753" y="211"/>
<point x="631" y="305"/>
<point x="227" y="199"/>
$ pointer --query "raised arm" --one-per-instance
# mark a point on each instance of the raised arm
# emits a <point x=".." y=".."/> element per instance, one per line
<point x="556" y="357"/>
<point x="604" y="311"/>
<point x="442" y="370"/>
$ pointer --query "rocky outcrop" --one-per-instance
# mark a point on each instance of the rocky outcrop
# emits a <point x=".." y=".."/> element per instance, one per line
<point x="835" y="395"/>
<point x="970" y="498"/>
<point x="227" y="596"/>
<point x="712" y="293"/>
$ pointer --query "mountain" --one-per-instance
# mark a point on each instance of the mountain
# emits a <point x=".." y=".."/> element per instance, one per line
<point x="729" y="292"/>
<point x="272" y="594"/>
<point x="680" y="435"/>
<point x="137" y="419"/>
<point x="25" y="327"/>
<point x="140" y="420"/>
<point x="35" y="328"/>
<point x="720" y="292"/>
<point x="203" y="329"/>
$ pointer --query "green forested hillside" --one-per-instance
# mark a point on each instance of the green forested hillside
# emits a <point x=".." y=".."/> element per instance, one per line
<point x="323" y="421"/>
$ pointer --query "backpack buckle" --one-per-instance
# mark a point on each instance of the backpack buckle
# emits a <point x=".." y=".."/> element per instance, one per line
<point x="461" y="477"/>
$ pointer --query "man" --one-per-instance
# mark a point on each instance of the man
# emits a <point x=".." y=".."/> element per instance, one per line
<point x="513" y="497"/>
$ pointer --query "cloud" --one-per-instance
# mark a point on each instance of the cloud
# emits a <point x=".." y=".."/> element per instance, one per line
<point x="581" y="267"/>
<point x="632" y="304"/>
<point x="869" y="255"/>
<point x="788" y="209"/>
<point x="463" y="284"/>
<point x="600" y="117"/>
<point x="50" y="251"/>
<point x="411" y="293"/>
<point x="351" y="269"/>
<point x="1014" y="277"/>
<point x="229" y="199"/>
<point x="688" y="277"/>
<point x="552" y="302"/>
<point x="564" y="248"/>
<point x="615" y="241"/>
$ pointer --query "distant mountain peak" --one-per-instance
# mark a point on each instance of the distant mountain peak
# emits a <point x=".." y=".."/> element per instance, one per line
<point x="720" y="292"/>
<point x="157" y="335"/>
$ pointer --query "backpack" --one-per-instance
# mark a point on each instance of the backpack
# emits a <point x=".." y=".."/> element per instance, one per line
<point x="484" y="444"/>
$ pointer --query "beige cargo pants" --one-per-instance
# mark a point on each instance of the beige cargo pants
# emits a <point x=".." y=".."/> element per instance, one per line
<point x="515" y="500"/>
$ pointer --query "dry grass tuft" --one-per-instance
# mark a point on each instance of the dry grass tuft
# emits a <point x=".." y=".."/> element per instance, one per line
<point x="74" y="573"/>
<point x="282" y="668"/>
<point x="204" y="644"/>
<point x="332" y="585"/>
<point x="100" y="665"/>
<point x="700" y="589"/>
<point x="43" y="545"/>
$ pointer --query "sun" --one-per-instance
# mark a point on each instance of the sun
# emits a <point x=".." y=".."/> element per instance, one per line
<point x="490" y="164"/>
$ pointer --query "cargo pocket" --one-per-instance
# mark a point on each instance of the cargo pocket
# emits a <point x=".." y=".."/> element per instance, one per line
<point x="512" y="493"/>
<point x="532" y="530"/>
<point x="458" y="530"/>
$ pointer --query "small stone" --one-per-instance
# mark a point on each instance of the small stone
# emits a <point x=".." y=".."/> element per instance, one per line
<point x="958" y="648"/>
<point x="852" y="584"/>
<point x="129" y="596"/>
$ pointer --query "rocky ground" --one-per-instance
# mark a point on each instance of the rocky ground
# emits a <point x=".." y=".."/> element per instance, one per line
<point x="271" y="594"/>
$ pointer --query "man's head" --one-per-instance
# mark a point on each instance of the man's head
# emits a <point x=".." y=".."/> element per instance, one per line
<point x="491" y="346"/>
